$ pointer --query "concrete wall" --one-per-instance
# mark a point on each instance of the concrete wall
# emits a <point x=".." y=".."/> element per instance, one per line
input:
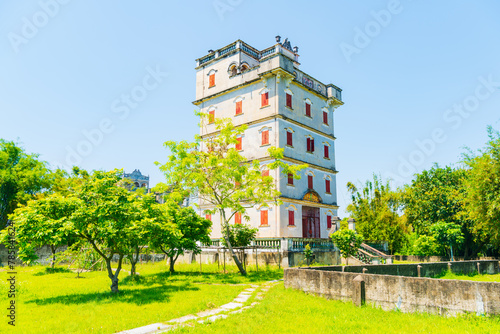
<point x="408" y="294"/>
<point x="44" y="255"/>
<point x="416" y="258"/>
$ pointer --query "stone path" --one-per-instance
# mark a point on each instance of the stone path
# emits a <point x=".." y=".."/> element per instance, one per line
<point x="236" y="306"/>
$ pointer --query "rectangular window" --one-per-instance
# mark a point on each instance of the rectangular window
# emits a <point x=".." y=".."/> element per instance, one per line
<point x="289" y="138"/>
<point x="310" y="145"/>
<point x="327" y="152"/>
<point x="325" y="117"/>
<point x="328" y="221"/>
<point x="239" y="110"/>
<point x="208" y="217"/>
<point x="308" y="110"/>
<point x="265" y="172"/>
<point x="211" y="117"/>
<point x="265" y="137"/>
<point x="264" y="99"/>
<point x="290" y="178"/>
<point x="211" y="80"/>
<point x="327" y="186"/>
<point x="263" y="217"/>
<point x="237" y="218"/>
<point x="289" y="100"/>
<point x="309" y="181"/>
<point x="291" y="217"/>
<point x="239" y="146"/>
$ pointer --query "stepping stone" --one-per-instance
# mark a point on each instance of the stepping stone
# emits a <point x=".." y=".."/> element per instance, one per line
<point x="231" y="306"/>
<point x="240" y="310"/>
<point x="184" y="318"/>
<point x="206" y="313"/>
<point x="241" y="299"/>
<point x="213" y="318"/>
<point x="250" y="290"/>
<point x="153" y="328"/>
<point x="244" y="293"/>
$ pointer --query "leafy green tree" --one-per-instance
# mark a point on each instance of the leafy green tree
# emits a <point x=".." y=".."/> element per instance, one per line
<point x="221" y="177"/>
<point x="22" y="176"/>
<point x="436" y="195"/>
<point x="376" y="210"/>
<point x="240" y="235"/>
<point x="482" y="184"/>
<point x="105" y="217"/>
<point x="308" y="254"/>
<point x="447" y="235"/>
<point x="41" y="222"/>
<point x="176" y="230"/>
<point x="347" y="241"/>
<point x="425" y="245"/>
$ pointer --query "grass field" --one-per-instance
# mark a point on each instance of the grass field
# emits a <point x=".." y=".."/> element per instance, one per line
<point x="60" y="303"/>
<point x="472" y="277"/>
<point x="291" y="311"/>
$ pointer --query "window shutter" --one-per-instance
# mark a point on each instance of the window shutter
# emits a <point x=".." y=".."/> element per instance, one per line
<point x="312" y="145"/>
<point x="290" y="178"/>
<point x="291" y="217"/>
<point x="289" y="138"/>
<point x="211" y="80"/>
<point x="327" y="153"/>
<point x="238" y="107"/>
<point x="211" y="117"/>
<point x="289" y="100"/>
<point x="263" y="217"/>
<point x="265" y="172"/>
<point x="308" y="109"/>
<point x="265" y="137"/>
<point x="238" y="144"/>
<point x="328" y="221"/>
<point x="325" y="117"/>
<point x="327" y="185"/>
<point x="237" y="218"/>
<point x="265" y="99"/>
<point x="309" y="181"/>
<point x="308" y="144"/>
<point x="208" y="217"/>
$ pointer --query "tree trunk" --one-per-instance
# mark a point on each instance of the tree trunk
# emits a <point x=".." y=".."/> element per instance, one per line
<point x="133" y="262"/>
<point x="172" y="262"/>
<point x="231" y="250"/>
<point x="114" y="277"/>
<point x="53" y="262"/>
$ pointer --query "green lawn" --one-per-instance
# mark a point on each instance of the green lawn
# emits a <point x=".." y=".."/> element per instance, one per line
<point x="291" y="311"/>
<point x="60" y="303"/>
<point x="473" y="277"/>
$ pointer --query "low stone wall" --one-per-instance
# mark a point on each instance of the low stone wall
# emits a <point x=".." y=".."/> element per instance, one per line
<point x="408" y="294"/>
<point x="44" y="255"/>
<point x="416" y="258"/>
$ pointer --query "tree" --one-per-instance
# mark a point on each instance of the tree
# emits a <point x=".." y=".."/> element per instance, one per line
<point x="212" y="168"/>
<point x="41" y="222"/>
<point x="240" y="235"/>
<point x="436" y="195"/>
<point x="105" y="217"/>
<point x="375" y="209"/>
<point x="482" y="184"/>
<point x="176" y="230"/>
<point x="347" y="241"/>
<point x="22" y="176"/>
<point x="447" y="235"/>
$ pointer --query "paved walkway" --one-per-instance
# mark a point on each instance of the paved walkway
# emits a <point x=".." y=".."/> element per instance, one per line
<point x="236" y="306"/>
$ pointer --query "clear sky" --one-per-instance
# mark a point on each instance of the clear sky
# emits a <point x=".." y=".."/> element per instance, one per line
<point x="420" y="79"/>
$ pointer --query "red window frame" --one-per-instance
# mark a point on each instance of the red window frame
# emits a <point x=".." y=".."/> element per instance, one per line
<point x="290" y="179"/>
<point x="239" y="145"/>
<point x="309" y="181"/>
<point x="264" y="99"/>
<point x="289" y="100"/>
<point x="265" y="137"/>
<point x="310" y="144"/>
<point x="289" y="138"/>
<point x="328" y="221"/>
<point x="239" y="109"/>
<point x="263" y="218"/>
<point x="325" y="117"/>
<point x="237" y="218"/>
<point x="327" y="152"/>
<point x="211" y="116"/>
<point x="265" y="172"/>
<point x="211" y="80"/>
<point x="291" y="217"/>
<point x="208" y="216"/>
<point x="308" y="110"/>
<point x="327" y="185"/>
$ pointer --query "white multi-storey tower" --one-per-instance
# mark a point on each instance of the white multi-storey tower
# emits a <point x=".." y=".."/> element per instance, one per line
<point x="283" y="107"/>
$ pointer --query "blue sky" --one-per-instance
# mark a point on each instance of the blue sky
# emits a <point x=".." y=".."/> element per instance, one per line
<point x="420" y="79"/>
